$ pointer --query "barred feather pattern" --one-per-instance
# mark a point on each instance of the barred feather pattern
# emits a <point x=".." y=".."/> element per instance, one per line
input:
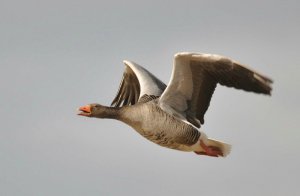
<point x="146" y="98"/>
<point x="149" y="120"/>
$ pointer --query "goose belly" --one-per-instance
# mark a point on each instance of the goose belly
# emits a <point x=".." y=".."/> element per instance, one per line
<point x="164" y="129"/>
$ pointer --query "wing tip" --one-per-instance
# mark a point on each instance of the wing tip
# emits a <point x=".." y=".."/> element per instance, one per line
<point x="265" y="83"/>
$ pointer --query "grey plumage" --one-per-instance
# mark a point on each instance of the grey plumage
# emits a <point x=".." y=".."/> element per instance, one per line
<point x="156" y="125"/>
<point x="224" y="72"/>
<point x="204" y="72"/>
<point x="129" y="89"/>
<point x="171" y="115"/>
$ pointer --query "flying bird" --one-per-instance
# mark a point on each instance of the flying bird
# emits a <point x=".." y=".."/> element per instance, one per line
<point x="171" y="115"/>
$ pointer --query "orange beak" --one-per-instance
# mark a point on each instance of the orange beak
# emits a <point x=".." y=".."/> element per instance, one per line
<point x="85" y="110"/>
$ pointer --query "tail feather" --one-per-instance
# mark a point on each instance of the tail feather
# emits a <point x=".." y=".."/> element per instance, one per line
<point x="225" y="148"/>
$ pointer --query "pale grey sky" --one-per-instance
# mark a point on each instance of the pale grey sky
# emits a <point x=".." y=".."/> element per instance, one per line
<point x="58" y="55"/>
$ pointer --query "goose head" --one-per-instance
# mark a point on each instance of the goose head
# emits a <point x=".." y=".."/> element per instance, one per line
<point x="98" y="111"/>
<point x="93" y="110"/>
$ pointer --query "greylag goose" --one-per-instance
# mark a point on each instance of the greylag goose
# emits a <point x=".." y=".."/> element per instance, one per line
<point x="171" y="116"/>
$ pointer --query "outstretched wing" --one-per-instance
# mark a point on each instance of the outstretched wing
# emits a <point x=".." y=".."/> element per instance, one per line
<point x="195" y="77"/>
<point x="137" y="84"/>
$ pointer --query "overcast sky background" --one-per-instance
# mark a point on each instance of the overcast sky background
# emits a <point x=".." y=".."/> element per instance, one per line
<point x="58" y="55"/>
